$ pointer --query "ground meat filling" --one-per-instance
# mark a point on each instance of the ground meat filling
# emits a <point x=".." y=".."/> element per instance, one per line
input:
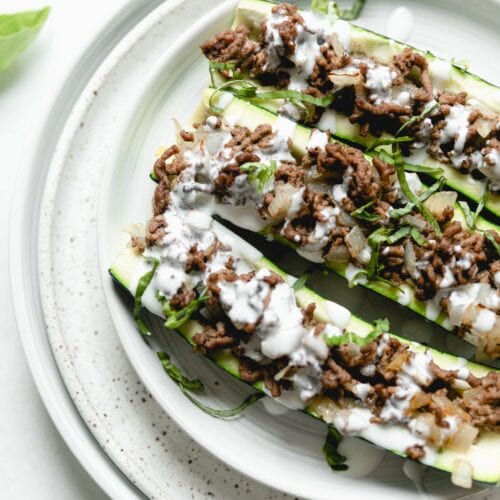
<point x="399" y="91"/>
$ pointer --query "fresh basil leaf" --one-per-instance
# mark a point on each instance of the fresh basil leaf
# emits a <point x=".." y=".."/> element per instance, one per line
<point x="379" y="326"/>
<point x="364" y="214"/>
<point x="224" y="66"/>
<point x="302" y="279"/>
<point x="489" y="236"/>
<point x="416" y="119"/>
<point x="350" y="14"/>
<point x="331" y="450"/>
<point x="388" y="141"/>
<point x="17" y="33"/>
<point x="422" y="169"/>
<point x="175" y="374"/>
<point x="143" y="283"/>
<point x="224" y="414"/>
<point x="321" y="102"/>
<point x="468" y="214"/>
<point x="259" y="174"/>
<point x="412" y="197"/>
<point x="175" y="319"/>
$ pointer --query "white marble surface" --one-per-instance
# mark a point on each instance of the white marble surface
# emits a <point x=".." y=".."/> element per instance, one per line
<point x="36" y="463"/>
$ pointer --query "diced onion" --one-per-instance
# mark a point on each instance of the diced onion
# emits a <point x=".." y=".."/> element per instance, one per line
<point x="461" y="474"/>
<point x="438" y="202"/>
<point x="420" y="399"/>
<point x="463" y="438"/>
<point x="282" y="200"/>
<point x="338" y="253"/>
<point x="355" y="241"/>
<point x="484" y="127"/>
<point x="398" y="361"/>
<point x="346" y="220"/>
<point x="341" y="80"/>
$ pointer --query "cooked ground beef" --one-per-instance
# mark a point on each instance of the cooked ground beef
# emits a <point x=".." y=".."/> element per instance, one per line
<point x="415" y="452"/>
<point x="214" y="338"/>
<point x="155" y="231"/>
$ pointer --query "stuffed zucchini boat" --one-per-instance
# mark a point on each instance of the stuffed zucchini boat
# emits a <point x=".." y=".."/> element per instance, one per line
<point x="368" y="220"/>
<point x="371" y="90"/>
<point x="306" y="352"/>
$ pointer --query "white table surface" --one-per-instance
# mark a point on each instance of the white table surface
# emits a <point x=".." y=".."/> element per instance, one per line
<point x="35" y="461"/>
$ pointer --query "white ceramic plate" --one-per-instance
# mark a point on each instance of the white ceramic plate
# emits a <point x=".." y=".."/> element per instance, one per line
<point x="145" y="444"/>
<point x="281" y="451"/>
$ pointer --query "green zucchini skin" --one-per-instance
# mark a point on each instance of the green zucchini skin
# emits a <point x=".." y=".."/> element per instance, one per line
<point x="250" y="115"/>
<point x="488" y="446"/>
<point x="251" y="12"/>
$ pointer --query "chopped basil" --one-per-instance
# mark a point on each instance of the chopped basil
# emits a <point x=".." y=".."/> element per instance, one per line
<point x="489" y="236"/>
<point x="388" y="141"/>
<point x="175" y="319"/>
<point x="422" y="169"/>
<point x="331" y="450"/>
<point x="259" y="174"/>
<point x="186" y="385"/>
<point x="364" y="214"/>
<point x="418" y="118"/>
<point x="302" y="279"/>
<point x="350" y="14"/>
<point x="379" y="326"/>
<point x="224" y="414"/>
<point x="175" y="374"/>
<point x="470" y="218"/>
<point x="399" y="166"/>
<point x="17" y="33"/>
<point x="245" y="89"/>
<point x="225" y="66"/>
<point x="143" y="283"/>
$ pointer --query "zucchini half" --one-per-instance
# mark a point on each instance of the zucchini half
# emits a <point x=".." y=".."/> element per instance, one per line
<point x="250" y="13"/>
<point x="240" y="112"/>
<point x="484" y="456"/>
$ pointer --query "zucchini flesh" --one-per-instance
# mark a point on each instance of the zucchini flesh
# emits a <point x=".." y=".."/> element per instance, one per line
<point x="484" y="456"/>
<point x="250" y="13"/>
<point x="241" y="112"/>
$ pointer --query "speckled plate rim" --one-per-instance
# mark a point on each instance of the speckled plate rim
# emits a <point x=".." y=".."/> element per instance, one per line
<point x="102" y="52"/>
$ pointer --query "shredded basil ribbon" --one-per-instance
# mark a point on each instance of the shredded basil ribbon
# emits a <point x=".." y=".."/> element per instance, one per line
<point x="489" y="236"/>
<point x="186" y="385"/>
<point x="331" y="450"/>
<point x="225" y="66"/>
<point x="389" y="158"/>
<point x="302" y="279"/>
<point x="245" y="89"/>
<point x="417" y="119"/>
<point x="259" y="174"/>
<point x="327" y="7"/>
<point x="364" y="214"/>
<point x="224" y="414"/>
<point x="143" y="283"/>
<point x="400" y="171"/>
<point x="175" y="319"/>
<point x="175" y="374"/>
<point x="388" y="141"/>
<point x="471" y="217"/>
<point x="379" y="326"/>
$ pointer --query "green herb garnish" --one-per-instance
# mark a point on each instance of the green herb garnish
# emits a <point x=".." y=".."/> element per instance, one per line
<point x="412" y="197"/>
<point x="17" y="33"/>
<point x="225" y="66"/>
<point x="364" y="214"/>
<point x="418" y="118"/>
<point x="379" y="326"/>
<point x="186" y="385"/>
<point x="175" y="319"/>
<point x="302" y="279"/>
<point x="175" y="374"/>
<point x="489" y="236"/>
<point x="388" y="141"/>
<point x="245" y="89"/>
<point x="143" y="283"/>
<point x="259" y="174"/>
<point x="331" y="450"/>
<point x="224" y="414"/>
<point x="470" y="216"/>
